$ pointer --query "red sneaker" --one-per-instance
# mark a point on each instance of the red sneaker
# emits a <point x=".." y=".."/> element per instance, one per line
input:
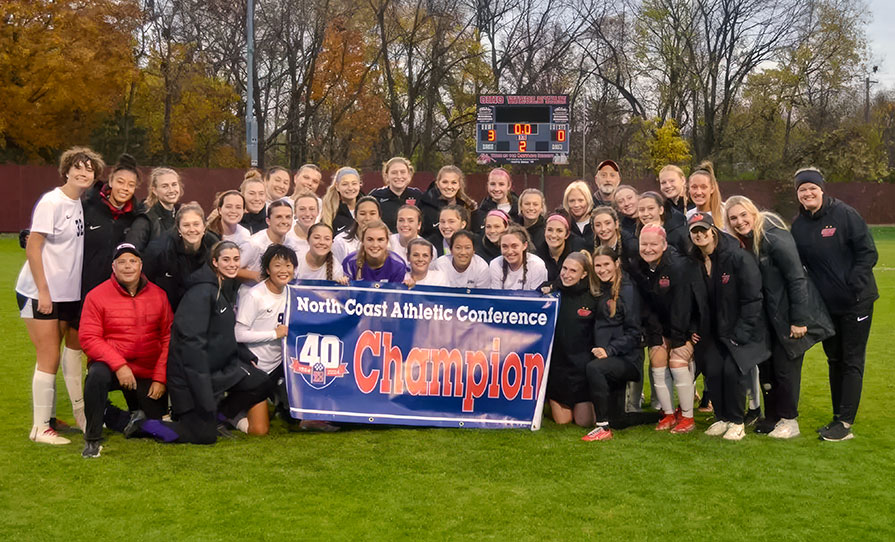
<point x="666" y="423"/>
<point x="600" y="432"/>
<point x="684" y="426"/>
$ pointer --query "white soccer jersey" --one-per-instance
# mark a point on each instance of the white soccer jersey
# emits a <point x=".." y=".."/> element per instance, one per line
<point x="476" y="275"/>
<point x="61" y="220"/>
<point x="259" y="313"/>
<point x="343" y="246"/>
<point x="304" y="271"/>
<point x="536" y="275"/>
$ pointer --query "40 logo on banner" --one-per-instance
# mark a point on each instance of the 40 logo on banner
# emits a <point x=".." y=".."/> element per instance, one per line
<point x="319" y="359"/>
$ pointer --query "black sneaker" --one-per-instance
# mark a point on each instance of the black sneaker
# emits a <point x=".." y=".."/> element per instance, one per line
<point x="837" y="432"/>
<point x="765" y="425"/>
<point x="752" y="416"/>
<point x="92" y="448"/>
<point x="827" y="427"/>
<point x="135" y="424"/>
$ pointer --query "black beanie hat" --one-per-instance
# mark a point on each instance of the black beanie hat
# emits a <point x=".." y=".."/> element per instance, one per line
<point x="809" y="176"/>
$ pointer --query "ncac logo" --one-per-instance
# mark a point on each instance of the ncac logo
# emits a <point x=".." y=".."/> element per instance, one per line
<point x="319" y="359"/>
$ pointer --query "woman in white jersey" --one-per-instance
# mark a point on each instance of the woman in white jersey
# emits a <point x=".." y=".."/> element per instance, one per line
<point x="516" y="268"/>
<point x="319" y="262"/>
<point x="420" y="254"/>
<point x="225" y="220"/>
<point x="409" y="223"/>
<point x="463" y="268"/>
<point x="306" y="213"/>
<point x="48" y="290"/>
<point x="348" y="242"/>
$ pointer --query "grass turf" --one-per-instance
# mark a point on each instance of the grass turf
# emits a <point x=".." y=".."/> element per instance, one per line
<point x="379" y="483"/>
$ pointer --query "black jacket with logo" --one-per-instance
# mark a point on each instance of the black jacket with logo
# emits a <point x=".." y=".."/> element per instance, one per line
<point x="168" y="263"/>
<point x="106" y="228"/>
<point x="151" y="225"/>
<point x="389" y="203"/>
<point x="620" y="334"/>
<point x="204" y="359"/>
<point x="838" y="252"/>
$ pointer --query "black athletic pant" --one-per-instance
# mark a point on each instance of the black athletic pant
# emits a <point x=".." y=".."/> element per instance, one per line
<point x="607" y="379"/>
<point x="846" y="352"/>
<point x="726" y="384"/>
<point x="100" y="381"/>
<point x="201" y="427"/>
<point x="781" y="382"/>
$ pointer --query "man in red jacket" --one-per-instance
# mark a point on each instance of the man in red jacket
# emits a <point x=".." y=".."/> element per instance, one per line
<point x="125" y="330"/>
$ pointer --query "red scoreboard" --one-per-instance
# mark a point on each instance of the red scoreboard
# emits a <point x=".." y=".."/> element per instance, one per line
<point x="518" y="129"/>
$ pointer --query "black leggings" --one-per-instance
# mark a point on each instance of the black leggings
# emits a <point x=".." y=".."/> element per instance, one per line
<point x="200" y="427"/>
<point x="846" y="352"/>
<point x="781" y="381"/>
<point x="607" y="379"/>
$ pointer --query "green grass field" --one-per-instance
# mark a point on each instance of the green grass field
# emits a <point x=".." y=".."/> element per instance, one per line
<point x="384" y="483"/>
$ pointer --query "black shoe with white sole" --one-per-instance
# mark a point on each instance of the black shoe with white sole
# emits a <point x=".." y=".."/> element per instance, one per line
<point x="92" y="448"/>
<point x="836" y="432"/>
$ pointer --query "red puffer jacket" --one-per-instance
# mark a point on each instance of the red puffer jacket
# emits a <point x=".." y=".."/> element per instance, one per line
<point x="119" y="329"/>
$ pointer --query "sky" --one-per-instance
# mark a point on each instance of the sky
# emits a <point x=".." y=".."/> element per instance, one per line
<point x="882" y="42"/>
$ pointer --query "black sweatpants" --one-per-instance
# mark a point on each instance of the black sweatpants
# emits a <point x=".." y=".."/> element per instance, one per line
<point x="99" y="382"/>
<point x="201" y="427"/>
<point x="781" y="382"/>
<point x="846" y="352"/>
<point x="726" y="384"/>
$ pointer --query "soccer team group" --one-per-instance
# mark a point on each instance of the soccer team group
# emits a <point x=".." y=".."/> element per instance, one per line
<point x="184" y="313"/>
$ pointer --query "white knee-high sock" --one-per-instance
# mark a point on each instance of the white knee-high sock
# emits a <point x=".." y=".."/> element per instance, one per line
<point x="42" y="397"/>
<point x="755" y="390"/>
<point x="683" y="381"/>
<point x="53" y="412"/>
<point x="669" y="383"/>
<point x="662" y="391"/>
<point x="71" y="372"/>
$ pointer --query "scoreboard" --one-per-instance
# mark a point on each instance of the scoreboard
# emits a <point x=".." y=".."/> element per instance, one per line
<point x="522" y="129"/>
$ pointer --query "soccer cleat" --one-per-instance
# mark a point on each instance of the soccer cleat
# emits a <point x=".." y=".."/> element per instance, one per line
<point x="600" y="432"/>
<point x="736" y="431"/>
<point x="46" y="435"/>
<point x="765" y="425"/>
<point x="717" y="429"/>
<point x="92" y="448"/>
<point x="134" y="424"/>
<point x="686" y="425"/>
<point x="62" y="428"/>
<point x="666" y="422"/>
<point x="752" y="416"/>
<point x="786" y="429"/>
<point x="837" y="433"/>
<point x="318" y="425"/>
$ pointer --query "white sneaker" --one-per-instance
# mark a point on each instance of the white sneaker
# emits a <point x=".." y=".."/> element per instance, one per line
<point x="786" y="429"/>
<point x="736" y="431"/>
<point x="717" y="429"/>
<point x="46" y="435"/>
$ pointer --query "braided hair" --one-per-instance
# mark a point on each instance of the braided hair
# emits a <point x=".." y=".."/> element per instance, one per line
<point x="329" y="255"/>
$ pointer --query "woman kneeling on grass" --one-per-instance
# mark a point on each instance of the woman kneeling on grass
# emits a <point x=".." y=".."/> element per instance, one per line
<point x="733" y="337"/>
<point x="204" y="359"/>
<point x="617" y="357"/>
<point x="567" y="386"/>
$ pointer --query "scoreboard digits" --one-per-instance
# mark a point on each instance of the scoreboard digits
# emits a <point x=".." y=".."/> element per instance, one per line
<point x="520" y="129"/>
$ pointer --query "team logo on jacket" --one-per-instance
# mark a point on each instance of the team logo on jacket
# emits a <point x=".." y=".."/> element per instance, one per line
<point x="829" y="231"/>
<point x="664" y="282"/>
<point x="584" y="312"/>
<point x="319" y="359"/>
<point x="725" y="278"/>
<point x="410" y="201"/>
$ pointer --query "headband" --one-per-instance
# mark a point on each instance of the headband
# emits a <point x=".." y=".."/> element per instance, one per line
<point x="561" y="219"/>
<point x="346" y="171"/>
<point x="499" y="214"/>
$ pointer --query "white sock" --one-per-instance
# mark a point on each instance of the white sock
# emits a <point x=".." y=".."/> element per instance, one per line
<point x="52" y="412"/>
<point x="662" y="391"/>
<point x="669" y="383"/>
<point x="71" y="373"/>
<point x="242" y="424"/>
<point x="755" y="393"/>
<point x="42" y="397"/>
<point x="683" y="381"/>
